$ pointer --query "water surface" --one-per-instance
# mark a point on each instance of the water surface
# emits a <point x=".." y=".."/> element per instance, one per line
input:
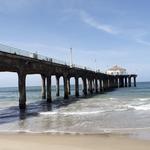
<point x="125" y="110"/>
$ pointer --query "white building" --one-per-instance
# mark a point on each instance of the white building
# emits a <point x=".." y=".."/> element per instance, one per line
<point x="116" y="70"/>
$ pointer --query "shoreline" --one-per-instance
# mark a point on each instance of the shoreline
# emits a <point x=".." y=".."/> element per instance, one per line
<point x="105" y="131"/>
<point x="23" y="141"/>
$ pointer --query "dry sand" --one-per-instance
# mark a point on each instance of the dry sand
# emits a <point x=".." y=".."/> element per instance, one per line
<point x="70" y="142"/>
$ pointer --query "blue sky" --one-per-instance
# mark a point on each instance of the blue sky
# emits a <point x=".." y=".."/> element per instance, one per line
<point x="110" y="32"/>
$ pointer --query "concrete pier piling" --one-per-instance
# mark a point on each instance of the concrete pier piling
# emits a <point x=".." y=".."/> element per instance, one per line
<point x="22" y="90"/>
<point x="100" y="86"/>
<point x="57" y="86"/>
<point x="134" y="81"/>
<point x="49" y="98"/>
<point x="66" y="90"/>
<point x="96" y="85"/>
<point x="43" y="86"/>
<point x="84" y="86"/>
<point x="129" y="78"/>
<point x="126" y="84"/>
<point x="76" y="87"/>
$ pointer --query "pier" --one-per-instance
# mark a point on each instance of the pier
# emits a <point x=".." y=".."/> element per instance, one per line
<point x="25" y="63"/>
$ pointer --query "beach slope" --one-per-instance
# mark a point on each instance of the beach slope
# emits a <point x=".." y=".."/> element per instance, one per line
<point x="70" y="142"/>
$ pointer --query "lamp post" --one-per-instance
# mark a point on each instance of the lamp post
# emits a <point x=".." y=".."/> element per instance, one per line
<point x="71" y="60"/>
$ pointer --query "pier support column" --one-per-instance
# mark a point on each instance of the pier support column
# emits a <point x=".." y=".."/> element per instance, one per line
<point x="76" y="87"/>
<point x="96" y="86"/>
<point x="108" y="83"/>
<point x="114" y="82"/>
<point x="105" y="84"/>
<point x="69" y="87"/>
<point x="91" y="87"/>
<point x="22" y="90"/>
<point x="101" y="86"/>
<point x="126" y="82"/>
<point x="43" y="87"/>
<point x="112" y="85"/>
<point x="84" y="86"/>
<point x="129" y="80"/>
<point x="134" y="81"/>
<point x="118" y="82"/>
<point x="57" y="86"/>
<point x="49" y="98"/>
<point x="121" y="81"/>
<point x="66" y="90"/>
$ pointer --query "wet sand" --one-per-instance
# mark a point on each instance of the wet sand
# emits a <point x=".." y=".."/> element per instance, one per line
<point x="70" y="142"/>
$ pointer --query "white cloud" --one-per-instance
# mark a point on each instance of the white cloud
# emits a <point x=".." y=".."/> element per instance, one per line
<point x="86" y="18"/>
<point x="143" y="42"/>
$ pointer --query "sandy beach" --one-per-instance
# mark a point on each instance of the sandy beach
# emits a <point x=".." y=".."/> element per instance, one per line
<point x="70" y="142"/>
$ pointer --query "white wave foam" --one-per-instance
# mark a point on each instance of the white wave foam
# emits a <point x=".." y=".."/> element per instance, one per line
<point x="121" y="109"/>
<point x="82" y="113"/>
<point x="48" y="113"/>
<point x="144" y="99"/>
<point x="111" y="98"/>
<point x="62" y="132"/>
<point x="70" y="113"/>
<point x="141" y="107"/>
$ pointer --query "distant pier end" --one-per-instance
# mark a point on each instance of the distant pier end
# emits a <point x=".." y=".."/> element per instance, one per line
<point x="24" y="63"/>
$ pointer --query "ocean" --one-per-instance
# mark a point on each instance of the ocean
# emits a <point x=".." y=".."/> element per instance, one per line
<point x="122" y="111"/>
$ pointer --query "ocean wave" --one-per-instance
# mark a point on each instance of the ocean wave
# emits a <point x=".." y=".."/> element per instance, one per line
<point x="143" y="99"/>
<point x="48" y="113"/>
<point x="112" y="98"/>
<point x="141" y="107"/>
<point x="70" y="113"/>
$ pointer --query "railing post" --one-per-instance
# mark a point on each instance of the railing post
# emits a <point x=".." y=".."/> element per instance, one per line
<point x="22" y="90"/>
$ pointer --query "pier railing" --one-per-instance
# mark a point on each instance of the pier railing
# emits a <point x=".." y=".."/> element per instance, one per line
<point x="17" y="51"/>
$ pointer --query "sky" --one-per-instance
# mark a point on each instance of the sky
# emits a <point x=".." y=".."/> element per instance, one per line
<point x="102" y="33"/>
